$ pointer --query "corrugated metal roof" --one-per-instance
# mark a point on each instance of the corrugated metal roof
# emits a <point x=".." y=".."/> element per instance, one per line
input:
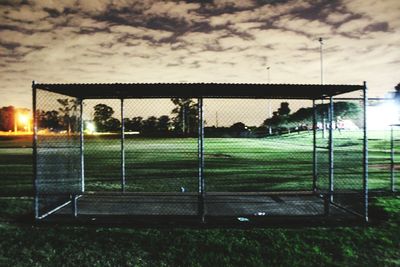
<point x="195" y="90"/>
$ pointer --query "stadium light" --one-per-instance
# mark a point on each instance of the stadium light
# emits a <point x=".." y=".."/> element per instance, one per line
<point x="90" y="127"/>
<point x="24" y="120"/>
<point x="383" y="115"/>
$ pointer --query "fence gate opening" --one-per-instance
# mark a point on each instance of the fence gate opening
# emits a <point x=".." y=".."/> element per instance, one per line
<point x="200" y="152"/>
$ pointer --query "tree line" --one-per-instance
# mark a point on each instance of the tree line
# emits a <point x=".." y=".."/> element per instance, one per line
<point x="66" y="118"/>
<point x="303" y="118"/>
<point x="182" y="120"/>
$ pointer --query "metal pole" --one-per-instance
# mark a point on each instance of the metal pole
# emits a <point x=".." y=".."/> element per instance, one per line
<point x="123" y="182"/>
<point x="321" y="59"/>
<point x="183" y="119"/>
<point x="392" y="179"/>
<point x="323" y="120"/>
<point x="74" y="205"/>
<point x="322" y="82"/>
<point x="331" y="164"/>
<point x="269" y="116"/>
<point x="314" y="125"/>
<point x="201" y="160"/>
<point x="269" y="102"/>
<point x="81" y="135"/>
<point x="365" y="154"/>
<point x="34" y="150"/>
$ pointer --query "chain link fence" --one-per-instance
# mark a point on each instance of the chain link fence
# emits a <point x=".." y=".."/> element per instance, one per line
<point x="241" y="158"/>
<point x="384" y="159"/>
<point x="57" y="151"/>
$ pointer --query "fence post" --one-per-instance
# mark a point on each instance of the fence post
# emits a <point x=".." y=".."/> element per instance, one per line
<point x="34" y="150"/>
<point x="323" y="119"/>
<point x="201" y="161"/>
<point x="74" y="205"/>
<point x="314" y="125"/>
<point x="392" y="179"/>
<point x="123" y="182"/>
<point x="330" y="147"/>
<point x="81" y="137"/>
<point x="365" y="153"/>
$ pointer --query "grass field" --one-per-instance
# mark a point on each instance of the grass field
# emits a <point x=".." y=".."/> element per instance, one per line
<point x="273" y="164"/>
<point x="232" y="164"/>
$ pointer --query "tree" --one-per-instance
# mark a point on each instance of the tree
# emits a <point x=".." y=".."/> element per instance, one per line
<point x="274" y="121"/>
<point x="149" y="126"/>
<point x="284" y="109"/>
<point x="7" y="118"/>
<point x="163" y="124"/>
<point x="280" y="118"/>
<point x="68" y="110"/>
<point x="112" y="125"/>
<point x="102" y="112"/>
<point x="134" y="124"/>
<point x="48" y="119"/>
<point x="347" y="110"/>
<point x="238" y="127"/>
<point x="304" y="116"/>
<point x="102" y="115"/>
<point x="185" y="115"/>
<point x="397" y="93"/>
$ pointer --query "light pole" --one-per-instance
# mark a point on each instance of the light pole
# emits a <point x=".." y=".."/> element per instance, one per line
<point x="321" y="43"/>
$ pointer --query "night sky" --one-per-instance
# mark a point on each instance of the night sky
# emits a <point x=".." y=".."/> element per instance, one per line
<point x="197" y="41"/>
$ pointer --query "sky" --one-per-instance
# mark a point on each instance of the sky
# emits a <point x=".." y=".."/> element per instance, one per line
<point x="71" y="41"/>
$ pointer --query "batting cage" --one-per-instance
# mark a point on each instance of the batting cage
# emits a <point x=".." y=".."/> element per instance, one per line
<point x="200" y="152"/>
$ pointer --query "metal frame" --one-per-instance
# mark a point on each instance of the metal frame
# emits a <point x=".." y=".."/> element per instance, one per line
<point x="201" y="179"/>
<point x="82" y="146"/>
<point x="197" y="90"/>
<point x="392" y="161"/>
<point x="331" y="152"/>
<point x="201" y="160"/>
<point x="123" y="178"/>
<point x="34" y="151"/>
<point x="365" y="152"/>
<point x="315" y="172"/>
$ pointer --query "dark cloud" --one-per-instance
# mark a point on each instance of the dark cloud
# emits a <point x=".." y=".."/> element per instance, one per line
<point x="54" y="13"/>
<point x="91" y="30"/>
<point x="167" y="24"/>
<point x="377" y="27"/>
<point x="9" y="45"/>
<point x="12" y="3"/>
<point x="317" y="10"/>
<point x="106" y="40"/>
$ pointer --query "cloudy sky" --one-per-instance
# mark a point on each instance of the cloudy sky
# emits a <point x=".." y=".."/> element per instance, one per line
<point x="197" y="41"/>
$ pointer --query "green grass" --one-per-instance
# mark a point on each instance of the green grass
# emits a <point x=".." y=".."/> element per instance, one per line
<point x="28" y="245"/>
<point x="232" y="165"/>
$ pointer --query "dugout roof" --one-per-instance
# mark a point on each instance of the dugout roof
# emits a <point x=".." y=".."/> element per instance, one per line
<point x="195" y="90"/>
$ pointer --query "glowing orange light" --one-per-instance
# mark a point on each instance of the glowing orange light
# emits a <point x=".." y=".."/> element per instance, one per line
<point x="23" y="119"/>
